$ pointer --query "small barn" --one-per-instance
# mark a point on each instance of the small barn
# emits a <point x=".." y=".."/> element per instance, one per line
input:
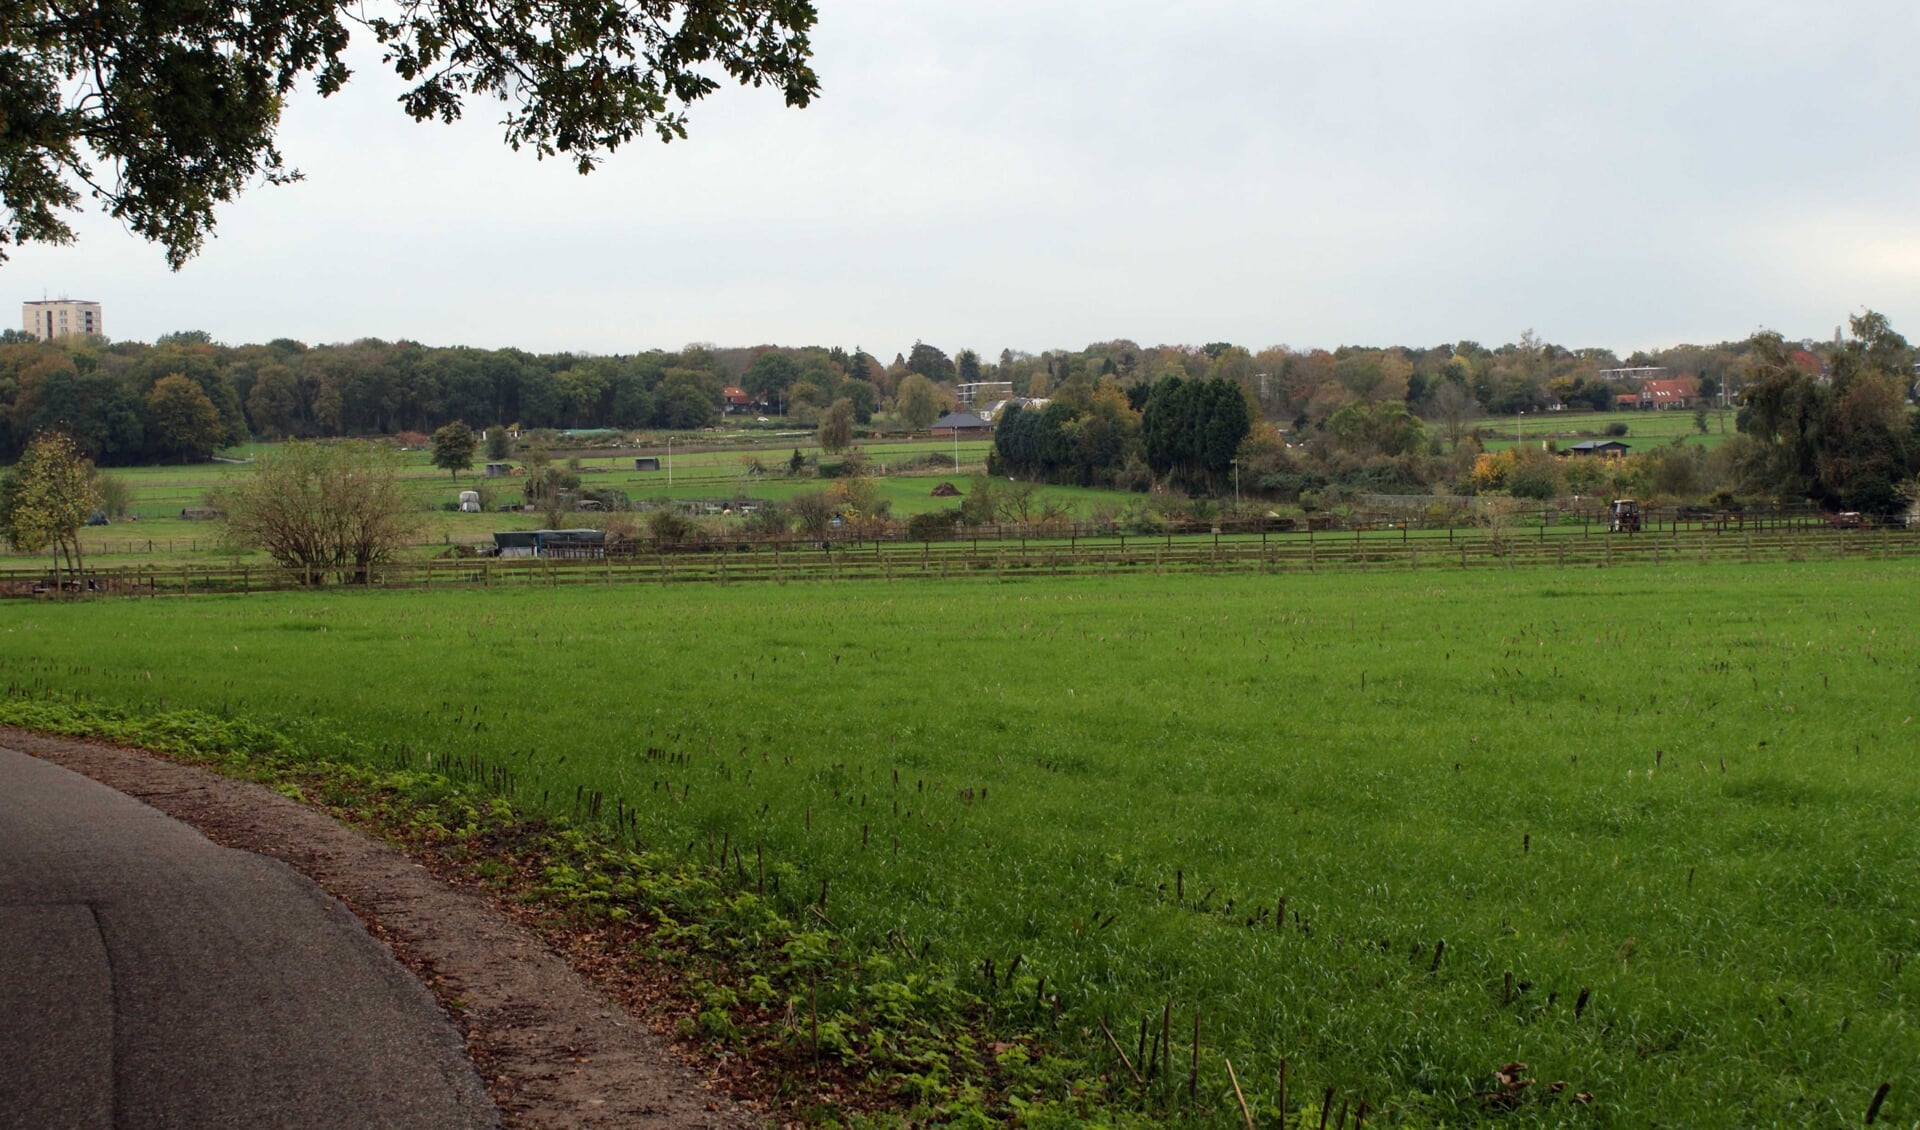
<point x="647" y="463"/>
<point x="499" y="470"/>
<point x="962" y="425"/>
<point x="550" y="543"/>
<point x="1599" y="448"/>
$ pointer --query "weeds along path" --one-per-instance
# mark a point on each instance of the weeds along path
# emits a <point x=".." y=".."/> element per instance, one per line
<point x="552" y="1050"/>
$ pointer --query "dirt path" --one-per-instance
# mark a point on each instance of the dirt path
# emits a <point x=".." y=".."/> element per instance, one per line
<point x="552" y="1050"/>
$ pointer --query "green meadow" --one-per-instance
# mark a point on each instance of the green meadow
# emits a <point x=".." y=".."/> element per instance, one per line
<point x="1648" y="831"/>
<point x="755" y="467"/>
<point x="1645" y="430"/>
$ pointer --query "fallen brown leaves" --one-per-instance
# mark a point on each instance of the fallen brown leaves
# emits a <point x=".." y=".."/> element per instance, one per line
<point x="1513" y="1086"/>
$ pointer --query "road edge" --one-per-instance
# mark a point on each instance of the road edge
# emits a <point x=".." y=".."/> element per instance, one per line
<point x="550" y="1047"/>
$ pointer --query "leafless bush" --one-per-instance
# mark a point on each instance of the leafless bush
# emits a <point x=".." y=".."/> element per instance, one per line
<point x="325" y="511"/>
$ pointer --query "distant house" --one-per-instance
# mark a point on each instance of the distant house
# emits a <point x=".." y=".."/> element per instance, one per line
<point x="733" y="398"/>
<point x="1598" y="448"/>
<point x="971" y="393"/>
<point x="1627" y="400"/>
<point x="961" y="425"/>
<point x="1026" y="403"/>
<point x="1661" y="395"/>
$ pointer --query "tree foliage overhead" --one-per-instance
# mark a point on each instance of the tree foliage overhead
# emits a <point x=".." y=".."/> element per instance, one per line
<point x="164" y="109"/>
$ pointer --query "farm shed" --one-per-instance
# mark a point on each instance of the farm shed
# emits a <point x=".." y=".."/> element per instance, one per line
<point x="647" y="463"/>
<point x="550" y="543"/>
<point x="499" y="470"/>
<point x="961" y="424"/>
<point x="1603" y="448"/>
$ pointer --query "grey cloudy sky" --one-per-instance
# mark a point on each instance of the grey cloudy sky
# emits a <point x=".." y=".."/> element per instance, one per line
<point x="1047" y="173"/>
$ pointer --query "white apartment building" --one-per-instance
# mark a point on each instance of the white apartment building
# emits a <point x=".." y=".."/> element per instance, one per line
<point x="53" y="318"/>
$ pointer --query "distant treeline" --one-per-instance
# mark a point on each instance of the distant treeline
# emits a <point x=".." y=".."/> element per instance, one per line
<point x="1826" y="420"/>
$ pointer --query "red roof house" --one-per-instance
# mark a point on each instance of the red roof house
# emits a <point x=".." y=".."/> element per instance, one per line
<point x="1679" y="393"/>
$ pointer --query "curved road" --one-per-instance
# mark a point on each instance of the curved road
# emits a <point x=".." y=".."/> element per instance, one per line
<point x="149" y="977"/>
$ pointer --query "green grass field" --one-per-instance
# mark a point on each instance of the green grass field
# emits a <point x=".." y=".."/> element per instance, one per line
<point x="707" y="467"/>
<point x="1662" y="819"/>
<point x="1645" y="430"/>
<point x="158" y="534"/>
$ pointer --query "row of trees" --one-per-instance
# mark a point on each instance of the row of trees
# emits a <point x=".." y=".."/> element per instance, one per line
<point x="102" y="393"/>
<point x="1181" y="431"/>
<point x="106" y="396"/>
<point x="1822" y="420"/>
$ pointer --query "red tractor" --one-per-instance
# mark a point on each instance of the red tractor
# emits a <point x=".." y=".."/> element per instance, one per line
<point x="1624" y="516"/>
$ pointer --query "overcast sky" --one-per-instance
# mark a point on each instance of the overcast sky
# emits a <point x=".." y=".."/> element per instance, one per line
<point x="1047" y="173"/>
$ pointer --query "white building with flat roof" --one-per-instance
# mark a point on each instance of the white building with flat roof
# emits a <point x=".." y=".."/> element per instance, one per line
<point x="52" y="318"/>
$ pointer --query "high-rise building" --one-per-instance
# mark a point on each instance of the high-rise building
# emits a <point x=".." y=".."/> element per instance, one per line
<point x="53" y="318"/>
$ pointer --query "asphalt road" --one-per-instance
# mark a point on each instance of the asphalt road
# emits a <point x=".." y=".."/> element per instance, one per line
<point x="150" y="978"/>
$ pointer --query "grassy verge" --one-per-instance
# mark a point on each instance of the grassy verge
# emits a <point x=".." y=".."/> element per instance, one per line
<point x="834" y="1035"/>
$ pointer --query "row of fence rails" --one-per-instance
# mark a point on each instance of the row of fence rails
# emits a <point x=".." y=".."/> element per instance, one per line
<point x="1539" y="523"/>
<point x="1591" y="518"/>
<point x="1551" y="524"/>
<point x="778" y="562"/>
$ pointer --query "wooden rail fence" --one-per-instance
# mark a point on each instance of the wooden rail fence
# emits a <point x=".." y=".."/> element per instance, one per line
<point x="747" y="563"/>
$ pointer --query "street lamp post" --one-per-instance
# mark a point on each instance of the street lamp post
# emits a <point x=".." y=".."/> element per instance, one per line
<point x="669" y="463"/>
<point x="1236" y="483"/>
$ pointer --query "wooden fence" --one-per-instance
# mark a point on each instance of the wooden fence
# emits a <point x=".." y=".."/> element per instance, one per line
<point x="895" y="561"/>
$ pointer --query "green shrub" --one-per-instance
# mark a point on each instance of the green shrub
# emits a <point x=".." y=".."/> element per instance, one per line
<point x="933" y="524"/>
